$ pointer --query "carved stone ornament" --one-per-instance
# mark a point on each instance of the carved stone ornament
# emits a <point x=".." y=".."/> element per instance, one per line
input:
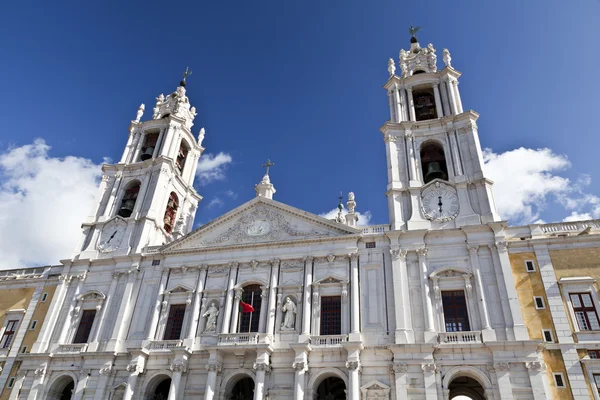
<point x="429" y="368"/>
<point x="178" y="366"/>
<point x="534" y="366"/>
<point x="40" y="372"/>
<point x="400" y="368"/>
<point x="473" y="248"/>
<point x="330" y="258"/>
<point x="501" y="366"/>
<point x="214" y="367"/>
<point x="422" y="251"/>
<point x="292" y="264"/>
<point x="21" y="373"/>
<point x="84" y="373"/>
<point x="132" y="368"/>
<point x="105" y="371"/>
<point x="352" y="365"/>
<point x="439" y="202"/>
<point x="262" y="367"/>
<point x="273" y="226"/>
<point x="300" y="366"/>
<point x="501" y="245"/>
<point x="398" y="253"/>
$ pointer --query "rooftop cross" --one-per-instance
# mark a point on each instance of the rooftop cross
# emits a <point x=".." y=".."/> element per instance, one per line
<point x="340" y="206"/>
<point x="187" y="73"/>
<point x="268" y="165"/>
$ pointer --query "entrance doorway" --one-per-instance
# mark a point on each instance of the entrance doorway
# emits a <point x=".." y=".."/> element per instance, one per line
<point x="161" y="392"/>
<point x="62" y="389"/>
<point x="242" y="390"/>
<point x="465" y="388"/>
<point x="331" y="388"/>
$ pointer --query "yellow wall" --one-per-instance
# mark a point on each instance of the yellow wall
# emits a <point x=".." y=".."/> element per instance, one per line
<point x="11" y="299"/>
<point x="13" y="372"/>
<point x="38" y="315"/>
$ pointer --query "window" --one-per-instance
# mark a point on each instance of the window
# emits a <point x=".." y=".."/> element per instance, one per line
<point x="11" y="382"/>
<point x="585" y="312"/>
<point x="149" y="144"/>
<point x="331" y="315"/>
<point x="171" y="212"/>
<point x="456" y="314"/>
<point x="23" y="349"/>
<point x="559" y="380"/>
<point x="249" y="321"/>
<point x="181" y="156"/>
<point x="85" y="326"/>
<point x="539" y="303"/>
<point x="129" y="198"/>
<point x="424" y="102"/>
<point x="594" y="354"/>
<point x="44" y="297"/>
<point x="529" y="266"/>
<point x="155" y="262"/>
<point x="547" y="334"/>
<point x="597" y="382"/>
<point x="33" y="325"/>
<point x="174" y="322"/>
<point x="370" y="245"/>
<point x="9" y="333"/>
<point x="433" y="162"/>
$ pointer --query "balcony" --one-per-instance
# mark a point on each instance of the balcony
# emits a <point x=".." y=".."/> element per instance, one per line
<point x="467" y="337"/>
<point x="234" y="339"/>
<point x="74" y="348"/>
<point x="328" y="340"/>
<point x="164" y="345"/>
<point x="374" y="229"/>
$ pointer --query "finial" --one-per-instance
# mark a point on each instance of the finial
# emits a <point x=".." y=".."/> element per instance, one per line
<point x="187" y="73"/>
<point x="268" y="165"/>
<point x="340" y="206"/>
<point x="413" y="30"/>
<point x="391" y="67"/>
<point x="446" y="57"/>
<point x="201" y="136"/>
<point x="140" y="112"/>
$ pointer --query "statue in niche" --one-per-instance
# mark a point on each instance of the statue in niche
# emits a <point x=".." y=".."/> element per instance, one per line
<point x="289" y="315"/>
<point x="211" y="318"/>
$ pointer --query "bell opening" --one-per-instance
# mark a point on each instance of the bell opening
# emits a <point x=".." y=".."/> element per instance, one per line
<point x="433" y="162"/>
<point x="129" y="199"/>
<point x="149" y="145"/>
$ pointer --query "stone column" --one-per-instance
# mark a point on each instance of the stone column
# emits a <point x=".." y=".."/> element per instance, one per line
<point x="73" y="313"/>
<point x="536" y="377"/>
<point x="438" y="103"/>
<point x="261" y="366"/>
<point x="127" y="306"/>
<point x="157" y="305"/>
<point x="235" y="313"/>
<point x="134" y="371"/>
<point x="429" y="370"/>
<point x="353" y="380"/>
<point x="400" y="380"/>
<point x="38" y="383"/>
<point x="445" y="103"/>
<point x="300" y="368"/>
<point x="226" y="311"/>
<point x="457" y="95"/>
<point x="273" y="297"/>
<point x="262" y="318"/>
<point x="392" y="106"/>
<point x="451" y="98"/>
<point x="81" y="384"/>
<point x="102" y="382"/>
<point x="397" y="104"/>
<point x="161" y="134"/>
<point x="404" y="332"/>
<point x="458" y="170"/>
<point x="17" y="385"/>
<point x="111" y="198"/>
<point x="411" y="104"/>
<point x="107" y="302"/>
<point x="177" y="368"/>
<point x="166" y="145"/>
<point x="213" y="369"/>
<point x="196" y="307"/>
<point x="503" y="377"/>
<point x="508" y="321"/>
<point x="354" y="296"/>
<point x="485" y="318"/>
<point x="306" y="298"/>
<point x="426" y="289"/>
<point x="411" y="157"/>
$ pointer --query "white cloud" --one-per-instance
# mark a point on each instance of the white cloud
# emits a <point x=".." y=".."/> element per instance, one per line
<point x="230" y="193"/>
<point x="216" y="201"/>
<point x="575" y="216"/>
<point x="43" y="201"/>
<point x="363" y="218"/>
<point x="527" y="180"/>
<point x="212" y="167"/>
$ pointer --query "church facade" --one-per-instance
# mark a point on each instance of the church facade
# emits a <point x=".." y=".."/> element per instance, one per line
<point x="272" y="302"/>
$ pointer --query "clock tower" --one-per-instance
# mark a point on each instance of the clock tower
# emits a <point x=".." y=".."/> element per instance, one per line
<point x="434" y="158"/>
<point x="147" y="198"/>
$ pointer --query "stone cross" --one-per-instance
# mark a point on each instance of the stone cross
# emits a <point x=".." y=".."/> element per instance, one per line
<point x="268" y="165"/>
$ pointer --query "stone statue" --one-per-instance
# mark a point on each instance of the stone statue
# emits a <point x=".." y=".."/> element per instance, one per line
<point x="289" y="315"/>
<point x="391" y="67"/>
<point x="211" y="318"/>
<point x="140" y="112"/>
<point x="446" y="57"/>
<point x="201" y="136"/>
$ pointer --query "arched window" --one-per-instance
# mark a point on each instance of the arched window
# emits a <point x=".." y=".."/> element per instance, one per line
<point x="129" y="199"/>
<point x="433" y="162"/>
<point x="424" y="102"/>
<point x="149" y="145"/>
<point x="182" y="156"/>
<point x="249" y="320"/>
<point x="171" y="212"/>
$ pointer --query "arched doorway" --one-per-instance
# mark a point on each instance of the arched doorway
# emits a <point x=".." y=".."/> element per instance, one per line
<point x="465" y="388"/>
<point x="62" y="389"/>
<point x="160" y="390"/>
<point x="242" y="390"/>
<point x="331" y="388"/>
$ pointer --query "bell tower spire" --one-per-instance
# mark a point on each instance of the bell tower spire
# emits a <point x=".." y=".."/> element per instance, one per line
<point x="434" y="158"/>
<point x="148" y="197"/>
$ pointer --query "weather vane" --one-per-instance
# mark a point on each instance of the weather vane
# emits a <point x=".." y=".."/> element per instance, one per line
<point x="340" y="206"/>
<point x="187" y="73"/>
<point x="268" y="165"/>
<point x="413" y="30"/>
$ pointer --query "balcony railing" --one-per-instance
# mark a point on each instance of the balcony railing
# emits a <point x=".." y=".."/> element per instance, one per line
<point x="460" y="337"/>
<point x="328" y="340"/>
<point x="227" y="339"/>
<point x="570" y="227"/>
<point x="164" y="345"/>
<point x="373" y="229"/>
<point x="74" y="348"/>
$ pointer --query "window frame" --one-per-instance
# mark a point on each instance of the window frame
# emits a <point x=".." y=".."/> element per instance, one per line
<point x="254" y="316"/>
<point x="177" y="294"/>
<point x="330" y="285"/>
<point x="339" y="310"/>
<point x="44" y="297"/>
<point x="541" y="298"/>
<point x="579" y="284"/>
<point x="452" y="279"/>
<point x="562" y="378"/>
<point x="11" y="382"/>
<point x="92" y="299"/>
<point x="76" y="339"/>
<point x="11" y="315"/>
<point x="596" y="382"/>
<point x="172" y="318"/>
<point x="23" y="350"/>
<point x="544" y="338"/>
<point x="584" y="310"/>
<point x="466" y="309"/>
<point x="33" y="325"/>
<point x="532" y="265"/>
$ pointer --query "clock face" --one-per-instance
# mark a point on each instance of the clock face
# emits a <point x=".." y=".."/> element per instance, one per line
<point x="440" y="202"/>
<point x="258" y="228"/>
<point x="112" y="236"/>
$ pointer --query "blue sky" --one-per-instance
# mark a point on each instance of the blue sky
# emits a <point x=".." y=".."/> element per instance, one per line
<point x="296" y="82"/>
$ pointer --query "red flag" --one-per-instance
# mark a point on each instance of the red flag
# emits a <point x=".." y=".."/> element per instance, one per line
<point x="245" y="307"/>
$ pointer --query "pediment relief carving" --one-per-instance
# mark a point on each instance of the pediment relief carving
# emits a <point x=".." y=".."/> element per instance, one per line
<point x="375" y="390"/>
<point x="178" y="289"/>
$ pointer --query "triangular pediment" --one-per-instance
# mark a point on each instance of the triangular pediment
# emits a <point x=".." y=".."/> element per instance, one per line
<point x="260" y="221"/>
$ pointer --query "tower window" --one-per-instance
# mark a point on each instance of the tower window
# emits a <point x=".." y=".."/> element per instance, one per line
<point x="171" y="212"/>
<point x="456" y="314"/>
<point x="249" y="321"/>
<point x="149" y="145"/>
<point x="433" y="162"/>
<point x="181" y="157"/>
<point x="85" y="326"/>
<point x="174" y="322"/>
<point x="331" y="315"/>
<point x="129" y="199"/>
<point x="424" y="102"/>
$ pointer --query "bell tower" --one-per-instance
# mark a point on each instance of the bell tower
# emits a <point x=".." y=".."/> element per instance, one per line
<point x="148" y="197"/>
<point x="434" y="158"/>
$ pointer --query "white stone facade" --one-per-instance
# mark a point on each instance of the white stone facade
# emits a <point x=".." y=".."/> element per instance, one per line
<point x="392" y="341"/>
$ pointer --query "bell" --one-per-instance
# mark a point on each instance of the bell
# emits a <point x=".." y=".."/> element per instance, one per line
<point x="434" y="171"/>
<point x="127" y="208"/>
<point x="146" y="155"/>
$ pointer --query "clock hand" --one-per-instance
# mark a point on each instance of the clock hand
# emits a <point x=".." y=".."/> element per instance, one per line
<point x="440" y="203"/>
<point x="111" y="237"/>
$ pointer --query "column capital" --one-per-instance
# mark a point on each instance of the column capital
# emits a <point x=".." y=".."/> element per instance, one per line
<point x="501" y="245"/>
<point x="501" y="366"/>
<point x="534" y="366"/>
<point x="84" y="373"/>
<point x="398" y="253"/>
<point x="233" y="264"/>
<point x="473" y="248"/>
<point x="40" y="372"/>
<point x="408" y="134"/>
<point x="238" y="293"/>
<point x="429" y="368"/>
<point x="105" y="371"/>
<point x="399" y="368"/>
<point x="308" y="259"/>
<point x="21" y="373"/>
<point x="353" y="256"/>
<point x="388" y="137"/>
<point x="275" y="262"/>
<point x="134" y="369"/>
<point x="300" y="366"/>
<point x="422" y="252"/>
<point x="214" y="367"/>
<point x="178" y="366"/>
<point x="353" y="365"/>
<point x="261" y="366"/>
